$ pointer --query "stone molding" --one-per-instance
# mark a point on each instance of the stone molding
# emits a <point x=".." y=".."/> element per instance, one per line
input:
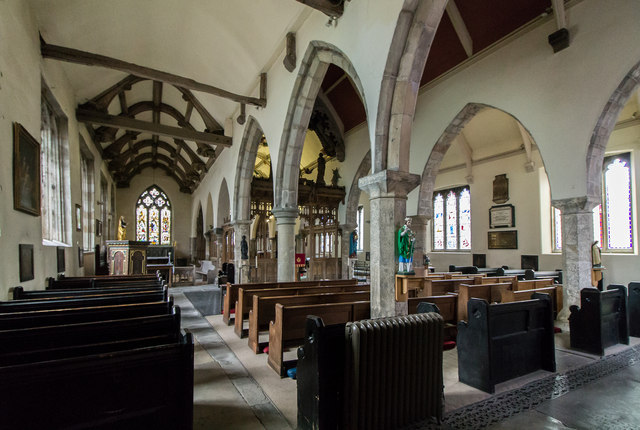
<point x="389" y="183"/>
<point x="576" y="204"/>
<point x="285" y="215"/>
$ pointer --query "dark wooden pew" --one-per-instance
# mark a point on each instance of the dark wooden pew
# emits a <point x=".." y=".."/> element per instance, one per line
<point x="81" y="302"/>
<point x="88" y="281"/>
<point x="472" y="270"/>
<point x="245" y="298"/>
<point x="440" y="287"/>
<point x="600" y="321"/>
<point x="287" y="329"/>
<point x="231" y="296"/>
<point x="556" y="275"/>
<point x="145" y="387"/>
<point x="634" y="309"/>
<point x="489" y="292"/>
<point x="447" y="308"/>
<point x="504" y="341"/>
<point x="41" y="318"/>
<point x="94" y="283"/>
<point x="519" y="273"/>
<point x="264" y="309"/>
<point x="20" y="294"/>
<point x="554" y="291"/>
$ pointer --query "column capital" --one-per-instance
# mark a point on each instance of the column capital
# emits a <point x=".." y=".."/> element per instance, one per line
<point x="347" y="227"/>
<point x="241" y="222"/>
<point x="285" y="215"/>
<point x="576" y="204"/>
<point x="389" y="183"/>
<point x="419" y="220"/>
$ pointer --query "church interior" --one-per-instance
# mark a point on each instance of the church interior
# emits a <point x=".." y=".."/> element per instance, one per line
<point x="382" y="153"/>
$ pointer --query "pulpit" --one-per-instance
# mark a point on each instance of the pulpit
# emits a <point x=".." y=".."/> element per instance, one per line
<point x="127" y="257"/>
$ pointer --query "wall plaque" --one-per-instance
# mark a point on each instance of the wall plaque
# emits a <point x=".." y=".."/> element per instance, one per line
<point x="503" y="239"/>
<point x="502" y="216"/>
<point x="501" y="189"/>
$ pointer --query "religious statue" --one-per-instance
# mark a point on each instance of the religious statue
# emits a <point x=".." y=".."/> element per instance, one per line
<point x="244" y="248"/>
<point x="321" y="167"/>
<point x="406" y="239"/>
<point x="596" y="266"/>
<point x="122" y="229"/>
<point x="336" y="176"/>
<point x="353" y="244"/>
<point x="596" y="260"/>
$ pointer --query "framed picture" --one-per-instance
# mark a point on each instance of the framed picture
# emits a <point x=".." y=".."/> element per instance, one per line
<point x="26" y="262"/>
<point x="503" y="239"/>
<point x="98" y="227"/>
<point x="78" y="218"/>
<point x="502" y="216"/>
<point x="60" y="258"/>
<point x="26" y="171"/>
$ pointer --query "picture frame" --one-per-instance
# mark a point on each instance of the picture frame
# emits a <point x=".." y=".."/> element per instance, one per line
<point x="78" y="217"/>
<point x="25" y="254"/>
<point x="60" y="259"/>
<point x="502" y="239"/>
<point x="26" y="171"/>
<point x="502" y="216"/>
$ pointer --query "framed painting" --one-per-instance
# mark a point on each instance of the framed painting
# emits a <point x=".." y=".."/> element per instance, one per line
<point x="26" y="262"/>
<point x="26" y="171"/>
<point x="78" y="217"/>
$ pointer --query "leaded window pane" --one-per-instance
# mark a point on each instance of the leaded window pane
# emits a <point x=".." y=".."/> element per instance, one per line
<point x="452" y="216"/>
<point x="618" y="200"/>
<point x="153" y="217"/>
<point x="465" y="219"/>
<point x="438" y="222"/>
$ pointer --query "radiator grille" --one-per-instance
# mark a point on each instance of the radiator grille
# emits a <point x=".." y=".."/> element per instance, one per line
<point x="394" y="371"/>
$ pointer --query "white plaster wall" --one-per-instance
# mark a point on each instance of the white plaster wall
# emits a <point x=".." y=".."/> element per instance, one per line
<point x="126" y="199"/>
<point x="557" y="97"/>
<point x="21" y="72"/>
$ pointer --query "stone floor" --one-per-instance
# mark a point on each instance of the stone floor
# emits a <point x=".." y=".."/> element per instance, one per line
<point x="235" y="389"/>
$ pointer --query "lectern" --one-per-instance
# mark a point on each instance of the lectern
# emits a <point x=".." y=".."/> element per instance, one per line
<point x="127" y="257"/>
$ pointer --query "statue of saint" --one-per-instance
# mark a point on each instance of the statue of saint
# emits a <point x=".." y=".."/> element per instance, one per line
<point x="336" y="176"/>
<point x="596" y="260"/>
<point x="122" y="229"/>
<point x="405" y="239"/>
<point x="353" y="244"/>
<point x="244" y="248"/>
<point x="321" y="167"/>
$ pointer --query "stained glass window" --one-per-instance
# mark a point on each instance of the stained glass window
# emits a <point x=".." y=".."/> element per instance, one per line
<point x="452" y="219"/>
<point x="613" y="221"/>
<point x="153" y="217"/>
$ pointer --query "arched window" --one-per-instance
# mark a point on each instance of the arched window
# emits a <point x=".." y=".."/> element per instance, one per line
<point x="153" y="217"/>
<point x="452" y="219"/>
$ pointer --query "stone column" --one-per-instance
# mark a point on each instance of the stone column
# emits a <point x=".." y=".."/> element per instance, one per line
<point x="344" y="241"/>
<point x="285" y="224"/>
<point x="577" y="237"/>
<point x="419" y="227"/>
<point x="387" y="191"/>
<point x="240" y="228"/>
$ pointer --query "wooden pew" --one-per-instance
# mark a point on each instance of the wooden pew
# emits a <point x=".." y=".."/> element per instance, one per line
<point x="489" y="292"/>
<point x="504" y="341"/>
<point x="555" y="291"/>
<point x="634" y="309"/>
<point x="81" y="302"/>
<point x="600" y="321"/>
<point x="88" y="281"/>
<point x="437" y="287"/>
<point x="448" y="307"/>
<point x="231" y="295"/>
<point x="556" y="275"/>
<point x="145" y="387"/>
<point x="532" y="284"/>
<point x="41" y="318"/>
<point x="519" y="273"/>
<point x="264" y="309"/>
<point x="495" y="279"/>
<point x="287" y="329"/>
<point x="20" y="294"/>
<point x="245" y="298"/>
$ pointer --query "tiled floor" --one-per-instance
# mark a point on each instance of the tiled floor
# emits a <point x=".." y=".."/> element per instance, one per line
<point x="235" y="389"/>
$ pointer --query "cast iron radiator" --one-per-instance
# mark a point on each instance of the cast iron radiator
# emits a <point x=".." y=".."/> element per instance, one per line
<point x="393" y="374"/>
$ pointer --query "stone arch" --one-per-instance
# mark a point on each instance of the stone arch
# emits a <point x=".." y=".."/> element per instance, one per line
<point x="412" y="39"/>
<point x="311" y="73"/>
<point x="208" y="216"/>
<point x="432" y="166"/>
<point x="248" y="150"/>
<point x="354" y="191"/>
<point x="603" y="129"/>
<point x="223" y="204"/>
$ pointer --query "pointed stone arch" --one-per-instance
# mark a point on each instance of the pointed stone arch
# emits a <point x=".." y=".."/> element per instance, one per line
<point x="355" y="191"/>
<point x="223" y="204"/>
<point x="412" y="39"/>
<point x="244" y="175"/>
<point x="311" y="73"/>
<point x="603" y="129"/>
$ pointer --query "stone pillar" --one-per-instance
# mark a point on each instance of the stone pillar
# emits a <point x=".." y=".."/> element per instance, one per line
<point x="344" y="241"/>
<point x="577" y="237"/>
<point x="285" y="224"/>
<point x="387" y="191"/>
<point x="240" y="228"/>
<point x="419" y="227"/>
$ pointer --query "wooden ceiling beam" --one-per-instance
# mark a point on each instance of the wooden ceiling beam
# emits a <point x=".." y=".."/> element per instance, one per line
<point x="76" y="56"/>
<point x="126" y="123"/>
<point x="460" y="27"/>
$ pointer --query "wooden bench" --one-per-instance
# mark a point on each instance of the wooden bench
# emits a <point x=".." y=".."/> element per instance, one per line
<point x="554" y="291"/>
<point x="504" y="341"/>
<point x="556" y="275"/>
<point x="447" y="307"/>
<point x="489" y="292"/>
<point x="231" y="295"/>
<point x="361" y="270"/>
<point x="100" y="283"/>
<point x="88" y="281"/>
<point x="145" y="387"/>
<point x="245" y="298"/>
<point x="287" y="329"/>
<point x="264" y="309"/>
<point x="439" y="287"/>
<point x="600" y="321"/>
<point x="532" y="284"/>
<point x="20" y="294"/>
<point x="634" y="309"/>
